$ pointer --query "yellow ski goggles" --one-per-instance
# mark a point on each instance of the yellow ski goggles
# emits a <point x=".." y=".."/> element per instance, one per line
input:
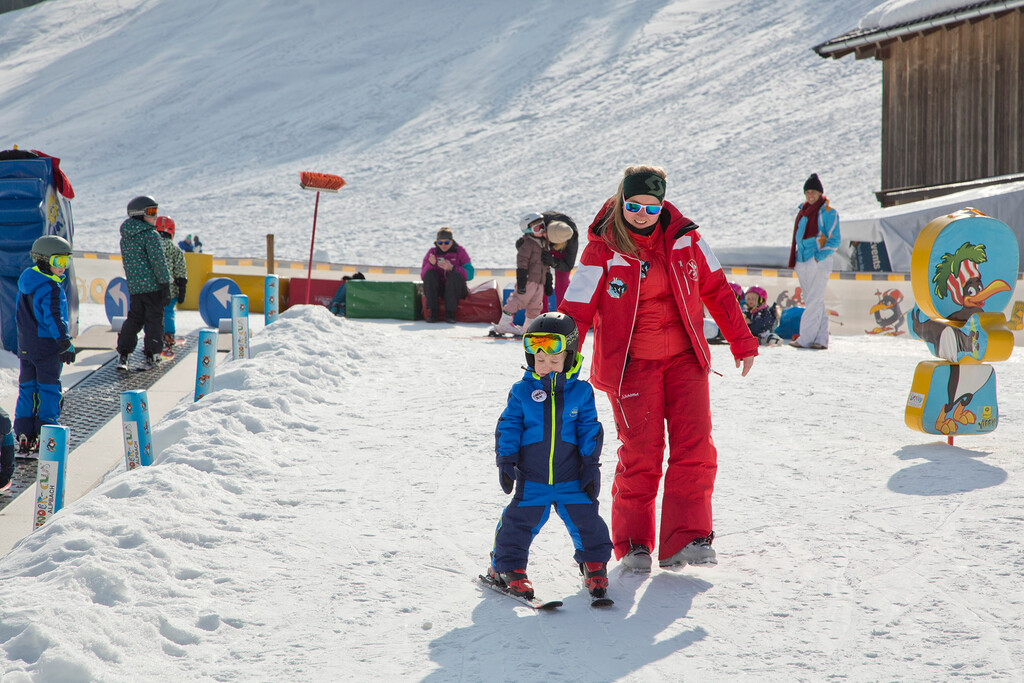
<point x="60" y="260"/>
<point x="545" y="342"/>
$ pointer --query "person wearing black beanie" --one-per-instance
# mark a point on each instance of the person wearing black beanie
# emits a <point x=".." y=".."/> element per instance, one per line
<point x="815" y="238"/>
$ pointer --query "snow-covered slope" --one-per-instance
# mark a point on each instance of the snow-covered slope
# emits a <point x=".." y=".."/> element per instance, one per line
<point x="462" y="113"/>
<point x="321" y="517"/>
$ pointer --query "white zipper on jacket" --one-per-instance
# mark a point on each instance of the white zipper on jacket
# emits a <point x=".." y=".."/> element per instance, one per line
<point x="622" y="372"/>
<point x="686" y="315"/>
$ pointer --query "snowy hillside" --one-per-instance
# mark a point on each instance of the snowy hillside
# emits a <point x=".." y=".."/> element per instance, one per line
<point x="458" y="113"/>
<point x="321" y="517"/>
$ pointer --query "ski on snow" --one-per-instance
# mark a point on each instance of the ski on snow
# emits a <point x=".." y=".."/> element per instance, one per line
<point x="537" y="603"/>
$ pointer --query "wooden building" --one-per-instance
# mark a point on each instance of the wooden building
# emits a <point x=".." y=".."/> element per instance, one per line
<point x="952" y="98"/>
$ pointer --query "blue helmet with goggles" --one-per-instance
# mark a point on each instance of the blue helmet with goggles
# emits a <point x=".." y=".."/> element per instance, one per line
<point x="51" y="251"/>
<point x="551" y="333"/>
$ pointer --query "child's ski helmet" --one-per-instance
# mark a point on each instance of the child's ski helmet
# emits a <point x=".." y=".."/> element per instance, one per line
<point x="138" y="206"/>
<point x="529" y="219"/>
<point x="49" y="245"/>
<point x="556" y="323"/>
<point x="736" y="290"/>
<point x="165" y="224"/>
<point x="762" y="295"/>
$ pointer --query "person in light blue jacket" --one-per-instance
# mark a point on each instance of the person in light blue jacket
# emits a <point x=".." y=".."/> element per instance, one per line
<point x="815" y="238"/>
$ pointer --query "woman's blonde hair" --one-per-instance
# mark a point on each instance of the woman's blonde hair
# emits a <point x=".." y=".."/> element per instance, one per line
<point x="613" y="227"/>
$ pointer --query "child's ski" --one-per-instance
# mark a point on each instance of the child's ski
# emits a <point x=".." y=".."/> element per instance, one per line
<point x="601" y="602"/>
<point x="535" y="603"/>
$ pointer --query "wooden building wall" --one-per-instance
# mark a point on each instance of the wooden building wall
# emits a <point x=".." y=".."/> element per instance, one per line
<point x="11" y="5"/>
<point x="953" y="103"/>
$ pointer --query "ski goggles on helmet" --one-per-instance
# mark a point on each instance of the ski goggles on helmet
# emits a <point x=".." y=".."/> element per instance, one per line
<point x="538" y="227"/>
<point x="649" y="209"/>
<point x="546" y="342"/>
<point x="151" y="210"/>
<point x="60" y="260"/>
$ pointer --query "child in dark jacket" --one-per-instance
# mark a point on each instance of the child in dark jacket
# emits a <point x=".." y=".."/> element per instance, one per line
<point x="548" y="445"/>
<point x="761" y="318"/>
<point x="531" y="274"/>
<point x="43" y="339"/>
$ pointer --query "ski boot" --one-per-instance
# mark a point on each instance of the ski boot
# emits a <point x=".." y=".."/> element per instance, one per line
<point x="150" y="362"/>
<point x="638" y="559"/>
<point x="515" y="581"/>
<point x="168" y="351"/>
<point x="696" y="552"/>
<point x="122" y="361"/>
<point x="595" y="578"/>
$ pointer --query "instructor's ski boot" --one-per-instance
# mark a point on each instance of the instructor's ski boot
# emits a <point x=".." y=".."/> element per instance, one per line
<point x="515" y="581"/>
<point x="696" y="552"/>
<point x="638" y="559"/>
<point x="595" y="578"/>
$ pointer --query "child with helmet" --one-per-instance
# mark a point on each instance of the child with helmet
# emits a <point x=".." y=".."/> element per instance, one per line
<point x="531" y="272"/>
<point x="762" y="319"/>
<point x="548" y="446"/>
<point x="44" y="340"/>
<point x="149" y="284"/>
<point x="179" y="279"/>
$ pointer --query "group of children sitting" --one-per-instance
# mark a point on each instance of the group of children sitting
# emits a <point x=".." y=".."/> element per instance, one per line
<point x="762" y="318"/>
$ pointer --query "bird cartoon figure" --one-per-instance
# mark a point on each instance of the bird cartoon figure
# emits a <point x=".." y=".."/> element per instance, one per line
<point x="958" y="276"/>
<point x="888" y="316"/>
<point x="963" y="269"/>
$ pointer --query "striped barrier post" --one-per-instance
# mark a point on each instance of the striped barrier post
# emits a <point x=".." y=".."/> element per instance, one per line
<point x="51" y="473"/>
<point x="206" y="362"/>
<point x="271" y="297"/>
<point x="239" y="326"/>
<point x="138" y="442"/>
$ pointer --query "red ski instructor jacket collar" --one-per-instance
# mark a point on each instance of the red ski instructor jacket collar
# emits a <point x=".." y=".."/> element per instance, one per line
<point x="604" y="295"/>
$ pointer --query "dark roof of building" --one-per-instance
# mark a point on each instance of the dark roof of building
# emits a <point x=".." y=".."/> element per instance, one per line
<point x="867" y="40"/>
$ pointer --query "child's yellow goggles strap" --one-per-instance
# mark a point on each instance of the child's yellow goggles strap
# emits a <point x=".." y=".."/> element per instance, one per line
<point x="547" y="342"/>
<point x="60" y="260"/>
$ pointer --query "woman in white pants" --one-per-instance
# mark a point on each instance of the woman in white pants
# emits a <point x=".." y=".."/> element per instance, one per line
<point x="815" y="238"/>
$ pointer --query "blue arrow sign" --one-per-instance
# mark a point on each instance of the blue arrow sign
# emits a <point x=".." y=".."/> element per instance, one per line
<point x="215" y="299"/>
<point x="115" y="300"/>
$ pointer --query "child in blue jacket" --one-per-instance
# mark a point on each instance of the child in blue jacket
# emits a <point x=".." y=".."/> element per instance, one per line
<point x="548" y="446"/>
<point x="43" y="339"/>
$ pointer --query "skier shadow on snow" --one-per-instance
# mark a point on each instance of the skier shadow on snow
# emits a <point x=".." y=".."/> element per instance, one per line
<point x="949" y="469"/>
<point x="508" y="641"/>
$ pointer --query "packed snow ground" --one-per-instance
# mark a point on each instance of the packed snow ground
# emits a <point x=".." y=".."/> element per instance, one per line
<point x="465" y="113"/>
<point x="322" y="514"/>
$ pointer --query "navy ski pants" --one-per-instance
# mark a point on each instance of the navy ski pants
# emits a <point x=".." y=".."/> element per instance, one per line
<point x="39" y="395"/>
<point x="529" y="510"/>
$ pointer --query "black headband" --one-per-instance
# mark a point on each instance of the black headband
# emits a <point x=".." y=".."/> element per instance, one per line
<point x="644" y="182"/>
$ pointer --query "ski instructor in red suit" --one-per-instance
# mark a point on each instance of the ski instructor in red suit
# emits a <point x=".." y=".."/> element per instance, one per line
<point x="643" y="281"/>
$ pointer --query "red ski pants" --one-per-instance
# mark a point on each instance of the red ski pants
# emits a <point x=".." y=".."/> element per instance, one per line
<point x="674" y="390"/>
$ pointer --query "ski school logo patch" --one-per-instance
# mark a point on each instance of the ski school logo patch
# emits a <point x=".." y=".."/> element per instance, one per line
<point x="691" y="269"/>
<point x="616" y="288"/>
<point x="539" y="395"/>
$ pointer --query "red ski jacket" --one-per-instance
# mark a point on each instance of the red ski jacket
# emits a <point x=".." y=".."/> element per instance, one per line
<point x="604" y="294"/>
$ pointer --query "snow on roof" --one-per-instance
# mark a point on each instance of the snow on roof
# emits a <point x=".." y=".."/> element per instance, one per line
<point x="895" y="18"/>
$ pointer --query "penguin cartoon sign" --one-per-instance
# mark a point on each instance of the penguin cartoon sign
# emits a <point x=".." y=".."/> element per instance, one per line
<point x="963" y="270"/>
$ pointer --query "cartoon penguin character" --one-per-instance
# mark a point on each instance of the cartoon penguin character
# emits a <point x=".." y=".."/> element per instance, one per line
<point x="888" y="316"/>
<point x="958" y="276"/>
<point x="946" y="341"/>
<point x="963" y="383"/>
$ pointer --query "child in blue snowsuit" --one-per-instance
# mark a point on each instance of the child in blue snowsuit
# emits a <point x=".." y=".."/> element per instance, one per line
<point x="548" y="445"/>
<point x="44" y="341"/>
